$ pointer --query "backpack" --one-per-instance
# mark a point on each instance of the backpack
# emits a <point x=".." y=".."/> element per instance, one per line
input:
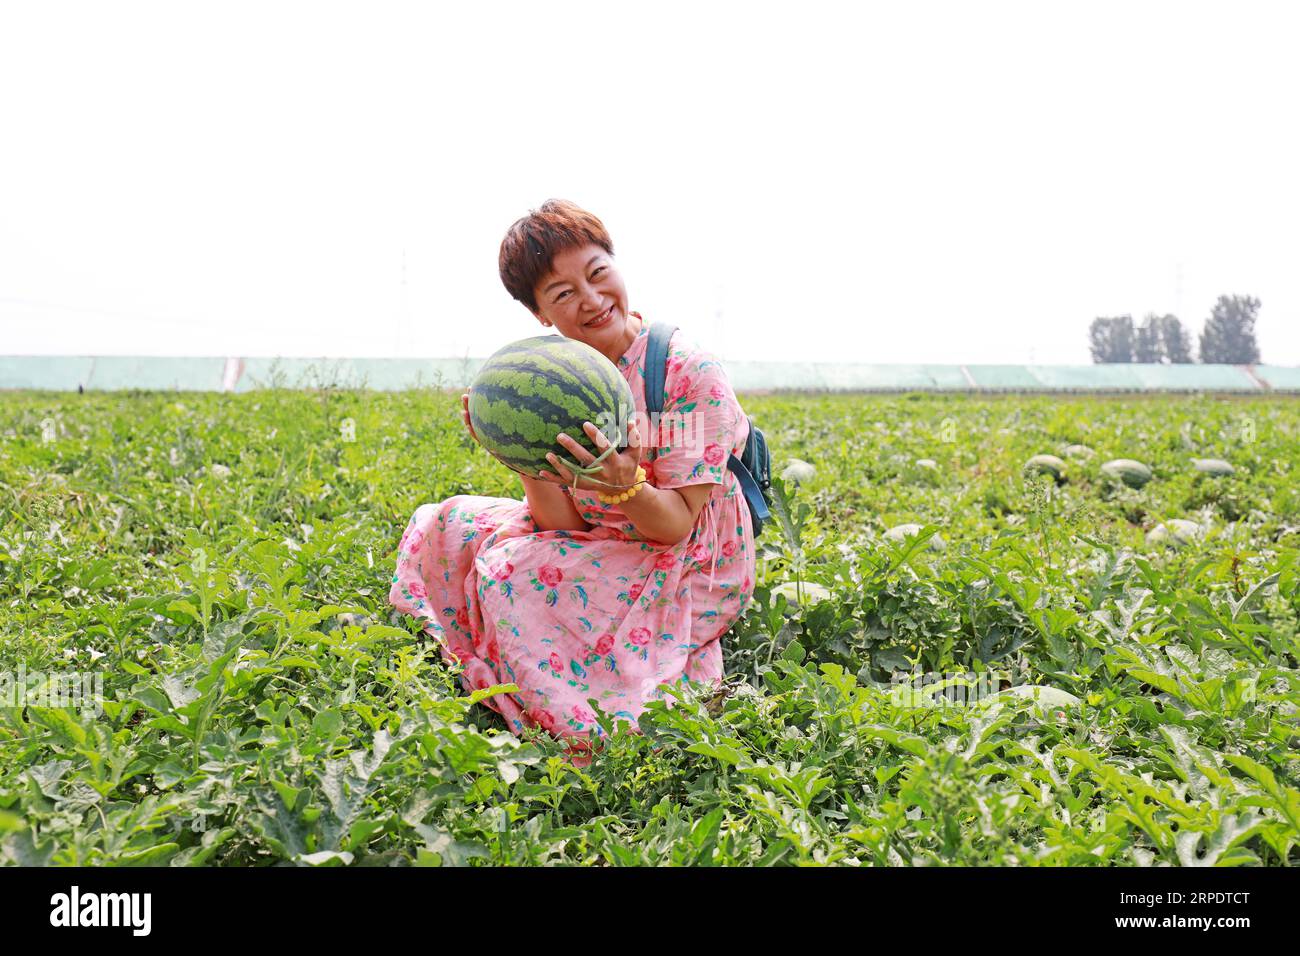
<point x="753" y="469"/>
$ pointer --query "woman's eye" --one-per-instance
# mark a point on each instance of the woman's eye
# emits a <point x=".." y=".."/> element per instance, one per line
<point x="598" y="272"/>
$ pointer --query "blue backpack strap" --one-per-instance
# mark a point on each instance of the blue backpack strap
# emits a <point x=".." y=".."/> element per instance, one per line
<point x="753" y="494"/>
<point x="656" y="365"/>
<point x="656" y="371"/>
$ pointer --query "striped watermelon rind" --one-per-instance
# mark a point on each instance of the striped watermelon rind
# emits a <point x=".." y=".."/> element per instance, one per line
<point x="1048" y="465"/>
<point x="528" y="392"/>
<point x="1130" y="472"/>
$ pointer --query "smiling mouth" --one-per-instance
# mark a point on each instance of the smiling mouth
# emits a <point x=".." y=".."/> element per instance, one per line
<point x="607" y="314"/>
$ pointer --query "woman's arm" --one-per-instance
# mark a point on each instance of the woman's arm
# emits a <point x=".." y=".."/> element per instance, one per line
<point x="551" y="507"/>
<point x="666" y="515"/>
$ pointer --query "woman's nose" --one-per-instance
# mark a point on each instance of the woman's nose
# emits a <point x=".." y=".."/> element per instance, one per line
<point x="592" y="298"/>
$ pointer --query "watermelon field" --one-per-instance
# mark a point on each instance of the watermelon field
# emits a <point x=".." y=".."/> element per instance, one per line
<point x="953" y="657"/>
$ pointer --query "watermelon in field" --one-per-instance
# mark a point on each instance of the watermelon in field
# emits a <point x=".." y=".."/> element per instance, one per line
<point x="1175" y="532"/>
<point x="1050" y="703"/>
<point x="925" y="470"/>
<point x="528" y="392"/>
<point x="1215" y="467"/>
<point x="798" y="471"/>
<point x="901" y="532"/>
<point x="1132" y="473"/>
<point x="806" y="593"/>
<point x="1048" y="465"/>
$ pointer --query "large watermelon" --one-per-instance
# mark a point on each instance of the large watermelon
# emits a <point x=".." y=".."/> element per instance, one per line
<point x="528" y="392"/>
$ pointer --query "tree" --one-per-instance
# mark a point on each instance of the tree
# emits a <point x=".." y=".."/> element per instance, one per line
<point x="1175" y="340"/>
<point x="1229" y="333"/>
<point x="1111" y="340"/>
<point x="1146" y="341"/>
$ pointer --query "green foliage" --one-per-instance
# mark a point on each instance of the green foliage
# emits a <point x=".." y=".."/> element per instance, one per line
<point x="1114" y="340"/>
<point x="1229" y="332"/>
<point x="222" y="563"/>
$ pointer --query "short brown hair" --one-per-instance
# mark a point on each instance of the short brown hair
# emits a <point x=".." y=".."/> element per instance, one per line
<point x="532" y="243"/>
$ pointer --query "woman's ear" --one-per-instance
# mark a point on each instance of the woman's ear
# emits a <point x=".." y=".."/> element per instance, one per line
<point x="539" y="318"/>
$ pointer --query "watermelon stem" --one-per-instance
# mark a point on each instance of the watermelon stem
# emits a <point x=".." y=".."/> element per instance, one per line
<point x="586" y="471"/>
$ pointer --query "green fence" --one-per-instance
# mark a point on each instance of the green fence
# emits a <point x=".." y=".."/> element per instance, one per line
<point x="63" y="373"/>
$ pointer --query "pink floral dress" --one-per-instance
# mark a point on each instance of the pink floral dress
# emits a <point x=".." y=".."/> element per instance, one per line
<point x="604" y="614"/>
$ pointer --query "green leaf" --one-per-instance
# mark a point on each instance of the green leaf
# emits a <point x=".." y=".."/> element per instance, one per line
<point x="1255" y="770"/>
<point x="169" y="773"/>
<point x="731" y="752"/>
<point x="179" y="693"/>
<point x="21" y="850"/>
<point x="363" y="831"/>
<point x="325" y="858"/>
<point x="62" y="723"/>
<point x="152" y="856"/>
<point x="1232" y="830"/>
<point x="483" y="693"/>
<point x="327" y="724"/>
<point x="186" y="608"/>
<point x="901" y="739"/>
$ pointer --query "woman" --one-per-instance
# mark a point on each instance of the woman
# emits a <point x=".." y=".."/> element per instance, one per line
<point x="566" y="596"/>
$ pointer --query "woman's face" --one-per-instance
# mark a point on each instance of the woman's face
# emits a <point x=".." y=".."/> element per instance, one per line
<point x="583" y="298"/>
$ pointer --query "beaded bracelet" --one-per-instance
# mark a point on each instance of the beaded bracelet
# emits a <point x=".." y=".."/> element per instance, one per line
<point x="625" y="495"/>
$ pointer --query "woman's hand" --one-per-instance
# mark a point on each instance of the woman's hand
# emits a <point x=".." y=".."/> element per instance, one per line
<point x="617" y="469"/>
<point x="469" y="426"/>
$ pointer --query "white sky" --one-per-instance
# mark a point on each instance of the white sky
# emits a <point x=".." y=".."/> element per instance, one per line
<point x="883" y="182"/>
